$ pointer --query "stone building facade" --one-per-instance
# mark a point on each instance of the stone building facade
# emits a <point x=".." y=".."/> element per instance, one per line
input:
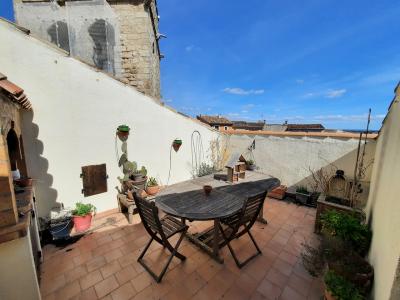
<point x="120" y="37"/>
<point x="140" y="52"/>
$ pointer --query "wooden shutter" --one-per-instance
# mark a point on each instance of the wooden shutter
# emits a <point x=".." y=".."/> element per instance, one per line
<point x="94" y="179"/>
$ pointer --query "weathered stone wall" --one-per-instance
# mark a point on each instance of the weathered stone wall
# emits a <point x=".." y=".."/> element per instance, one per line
<point x="8" y="211"/>
<point x="119" y="37"/>
<point x="140" y="54"/>
<point x="9" y="111"/>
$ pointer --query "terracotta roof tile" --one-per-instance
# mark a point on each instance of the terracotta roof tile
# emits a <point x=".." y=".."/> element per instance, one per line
<point x="349" y="135"/>
<point x="304" y="126"/>
<point x="214" y="120"/>
<point x="248" y="125"/>
<point x="14" y="92"/>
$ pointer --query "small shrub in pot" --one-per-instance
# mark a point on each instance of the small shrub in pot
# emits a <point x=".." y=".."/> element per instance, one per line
<point x="302" y="195"/>
<point x="82" y="216"/>
<point x="152" y="187"/>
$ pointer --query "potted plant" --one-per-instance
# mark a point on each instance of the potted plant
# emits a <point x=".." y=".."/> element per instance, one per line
<point x="344" y="239"/>
<point x="348" y="228"/>
<point x="176" y="144"/>
<point x="250" y="165"/>
<point x="338" y="288"/>
<point x="139" y="174"/>
<point x="123" y="132"/>
<point x="302" y="195"/>
<point x="133" y="178"/>
<point x="152" y="187"/>
<point x="82" y="216"/>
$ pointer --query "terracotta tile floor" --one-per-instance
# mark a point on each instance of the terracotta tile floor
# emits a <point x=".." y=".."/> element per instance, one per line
<point x="103" y="265"/>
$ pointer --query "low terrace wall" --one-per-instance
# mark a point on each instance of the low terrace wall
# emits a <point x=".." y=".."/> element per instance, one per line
<point x="291" y="156"/>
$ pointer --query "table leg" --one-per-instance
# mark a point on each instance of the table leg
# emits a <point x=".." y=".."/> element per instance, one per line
<point x="261" y="218"/>
<point x="216" y="242"/>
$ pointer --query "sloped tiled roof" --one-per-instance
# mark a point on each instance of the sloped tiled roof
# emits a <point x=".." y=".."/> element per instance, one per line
<point x="248" y="125"/>
<point x="13" y="92"/>
<point x="214" y="120"/>
<point x="304" y="127"/>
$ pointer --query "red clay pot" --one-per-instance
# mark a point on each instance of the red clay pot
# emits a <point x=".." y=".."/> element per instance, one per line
<point x="328" y="295"/>
<point x="82" y="223"/>
<point x="122" y="135"/>
<point x="152" y="190"/>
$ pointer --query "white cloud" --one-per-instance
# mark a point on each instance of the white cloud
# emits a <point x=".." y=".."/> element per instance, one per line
<point x="299" y="81"/>
<point x="240" y="91"/>
<point x="189" y="48"/>
<point x="348" y="118"/>
<point x="309" y="95"/>
<point x="335" y="93"/>
<point x="245" y="111"/>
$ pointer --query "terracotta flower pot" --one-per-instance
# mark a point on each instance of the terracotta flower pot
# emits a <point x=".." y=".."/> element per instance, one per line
<point x="176" y="144"/>
<point x="207" y="189"/>
<point x="328" y="295"/>
<point x="82" y="223"/>
<point x="122" y="135"/>
<point x="152" y="190"/>
<point x="24" y="182"/>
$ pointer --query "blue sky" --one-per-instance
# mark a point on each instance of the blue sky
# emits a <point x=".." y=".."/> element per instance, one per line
<point x="324" y="61"/>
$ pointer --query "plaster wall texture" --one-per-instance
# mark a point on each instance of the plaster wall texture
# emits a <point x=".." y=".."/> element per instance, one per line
<point x="383" y="207"/>
<point x="115" y="36"/>
<point x="17" y="270"/>
<point x="76" y="110"/>
<point x="290" y="158"/>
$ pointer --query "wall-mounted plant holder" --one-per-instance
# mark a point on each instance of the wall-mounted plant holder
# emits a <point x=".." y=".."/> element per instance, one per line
<point x="176" y="144"/>
<point x="123" y="132"/>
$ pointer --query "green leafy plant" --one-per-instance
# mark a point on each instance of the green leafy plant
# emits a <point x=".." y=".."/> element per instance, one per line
<point x="123" y="128"/>
<point x="302" y="189"/>
<point x="83" y="209"/>
<point x="142" y="171"/>
<point x="178" y="141"/>
<point x="348" y="228"/>
<point x="205" y="169"/>
<point x="152" y="182"/>
<point x="340" y="288"/>
<point x="250" y="162"/>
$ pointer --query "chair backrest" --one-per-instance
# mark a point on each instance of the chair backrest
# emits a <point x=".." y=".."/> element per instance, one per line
<point x="252" y="208"/>
<point x="148" y="213"/>
<point x="247" y="215"/>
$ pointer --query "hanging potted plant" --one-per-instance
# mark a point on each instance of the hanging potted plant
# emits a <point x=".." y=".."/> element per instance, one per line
<point x="123" y="132"/>
<point x="82" y="216"/>
<point x="176" y="144"/>
<point x="152" y="186"/>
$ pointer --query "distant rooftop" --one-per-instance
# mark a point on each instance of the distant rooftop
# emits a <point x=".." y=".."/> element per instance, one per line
<point x="214" y="120"/>
<point x="304" y="127"/>
<point x="249" y="125"/>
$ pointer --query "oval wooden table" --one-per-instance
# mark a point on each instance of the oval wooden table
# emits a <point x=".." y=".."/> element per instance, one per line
<point x="188" y="201"/>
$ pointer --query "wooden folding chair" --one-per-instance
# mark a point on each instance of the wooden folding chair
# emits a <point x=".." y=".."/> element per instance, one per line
<point x="244" y="218"/>
<point x="160" y="231"/>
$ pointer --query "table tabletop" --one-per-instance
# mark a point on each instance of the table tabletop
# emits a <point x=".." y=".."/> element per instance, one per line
<point x="188" y="200"/>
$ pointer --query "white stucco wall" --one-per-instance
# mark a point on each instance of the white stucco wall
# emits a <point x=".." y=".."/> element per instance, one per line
<point x="76" y="111"/>
<point x="17" y="270"/>
<point x="290" y="157"/>
<point x="383" y="207"/>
